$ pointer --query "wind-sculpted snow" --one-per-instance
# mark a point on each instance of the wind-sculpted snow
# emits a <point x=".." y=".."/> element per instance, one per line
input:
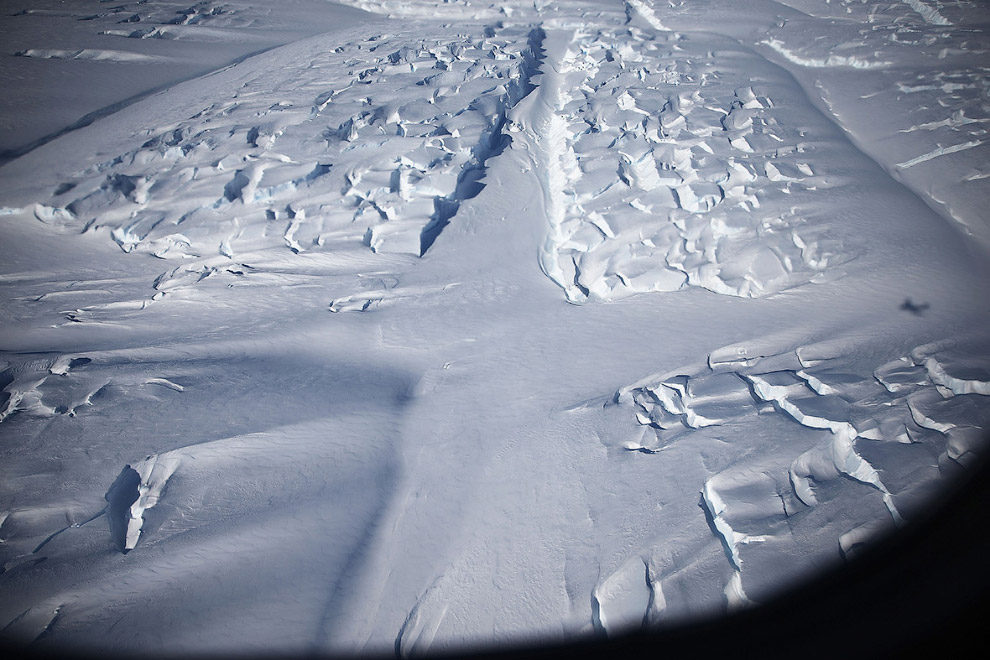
<point x="467" y="10"/>
<point x="420" y="627"/>
<point x="84" y="54"/>
<point x="828" y="61"/>
<point x="218" y="499"/>
<point x="204" y="13"/>
<point x="47" y="386"/>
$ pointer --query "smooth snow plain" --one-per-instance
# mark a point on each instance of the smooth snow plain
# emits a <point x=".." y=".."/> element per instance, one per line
<point x="446" y="323"/>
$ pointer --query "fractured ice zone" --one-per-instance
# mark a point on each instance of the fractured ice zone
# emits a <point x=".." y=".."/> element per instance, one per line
<point x="486" y="323"/>
<point x="377" y="141"/>
<point x="665" y="175"/>
<point x="890" y="433"/>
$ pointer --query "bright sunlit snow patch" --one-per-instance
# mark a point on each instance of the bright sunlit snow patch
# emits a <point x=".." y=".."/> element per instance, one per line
<point x="927" y="12"/>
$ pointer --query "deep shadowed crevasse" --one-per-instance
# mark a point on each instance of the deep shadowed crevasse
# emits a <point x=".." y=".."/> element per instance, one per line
<point x="122" y="494"/>
<point x="493" y="142"/>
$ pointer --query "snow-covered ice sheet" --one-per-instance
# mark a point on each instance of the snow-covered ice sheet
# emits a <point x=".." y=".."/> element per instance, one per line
<point x="470" y="322"/>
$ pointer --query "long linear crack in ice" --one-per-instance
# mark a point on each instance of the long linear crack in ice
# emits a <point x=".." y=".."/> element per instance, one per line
<point x="841" y="451"/>
<point x="490" y="144"/>
<point x="940" y="151"/>
<point x="831" y="60"/>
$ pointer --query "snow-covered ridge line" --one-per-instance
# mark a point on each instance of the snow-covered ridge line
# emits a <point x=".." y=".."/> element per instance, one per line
<point x="939" y="376"/>
<point x="929" y="13"/>
<point x="420" y="627"/>
<point x="647" y="13"/>
<point x="543" y="139"/>
<point x="624" y="600"/>
<point x="435" y="9"/>
<point x="735" y="595"/>
<point x="821" y="63"/>
<point x="92" y="54"/>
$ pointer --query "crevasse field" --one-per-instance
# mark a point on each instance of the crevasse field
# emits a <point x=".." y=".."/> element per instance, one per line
<point x="412" y="324"/>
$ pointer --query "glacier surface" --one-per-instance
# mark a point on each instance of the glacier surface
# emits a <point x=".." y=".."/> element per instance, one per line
<point x="400" y="325"/>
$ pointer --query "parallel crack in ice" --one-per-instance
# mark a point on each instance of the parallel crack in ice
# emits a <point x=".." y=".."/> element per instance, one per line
<point x="919" y="402"/>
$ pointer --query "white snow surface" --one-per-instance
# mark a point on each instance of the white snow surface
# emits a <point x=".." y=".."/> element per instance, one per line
<point x="456" y="322"/>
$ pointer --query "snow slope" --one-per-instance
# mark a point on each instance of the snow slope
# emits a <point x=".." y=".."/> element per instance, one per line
<point x="86" y="59"/>
<point x="486" y="323"/>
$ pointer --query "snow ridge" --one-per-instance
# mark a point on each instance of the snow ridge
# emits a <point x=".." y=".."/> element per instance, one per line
<point x="930" y="14"/>
<point x="829" y="61"/>
<point x="647" y="13"/>
<point x="412" y="9"/>
<point x="941" y="377"/>
<point x="87" y="54"/>
<point x="420" y="627"/>
<point x="544" y="139"/>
